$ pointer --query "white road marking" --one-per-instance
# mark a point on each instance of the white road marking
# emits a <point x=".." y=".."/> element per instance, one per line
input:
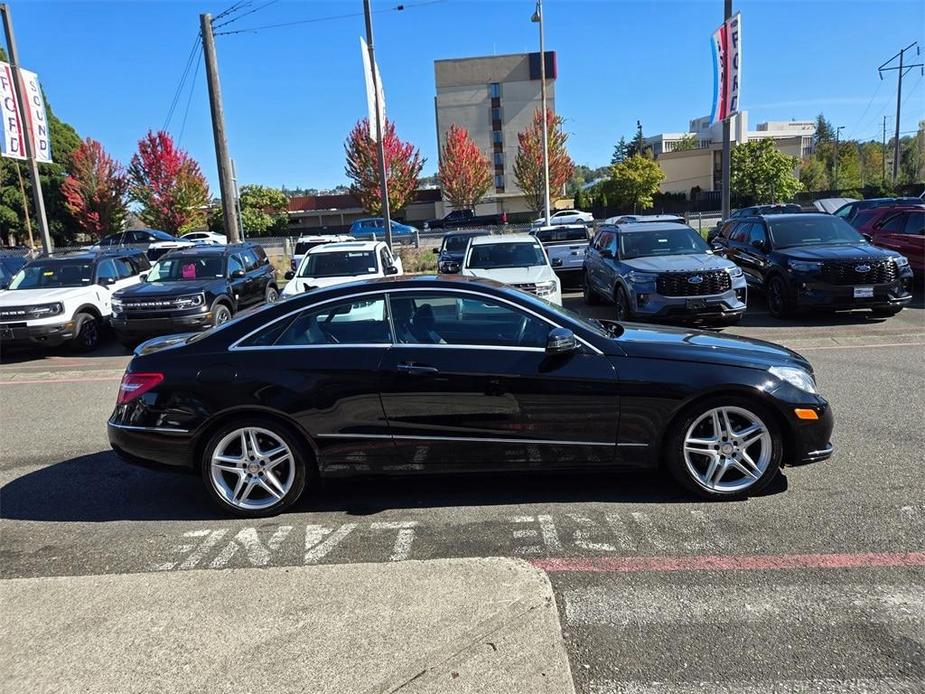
<point x="867" y="685"/>
<point x="179" y="549"/>
<point x="249" y="539"/>
<point x="650" y="533"/>
<point x="551" y="542"/>
<point x="317" y="549"/>
<point x="582" y="536"/>
<point x="204" y="548"/>
<point x="618" y="528"/>
<point x="402" y="548"/>
<point x="550" y="537"/>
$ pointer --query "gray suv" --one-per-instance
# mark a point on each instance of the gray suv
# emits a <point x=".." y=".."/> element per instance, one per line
<point x="662" y="271"/>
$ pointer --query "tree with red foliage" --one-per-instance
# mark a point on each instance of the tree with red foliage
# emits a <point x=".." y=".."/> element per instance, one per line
<point x="465" y="173"/>
<point x="528" y="164"/>
<point x="168" y="184"/>
<point x="94" y="191"/>
<point x="403" y="164"/>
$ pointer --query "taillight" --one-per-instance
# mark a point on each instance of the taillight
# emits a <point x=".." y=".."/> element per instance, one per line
<point x="135" y="385"/>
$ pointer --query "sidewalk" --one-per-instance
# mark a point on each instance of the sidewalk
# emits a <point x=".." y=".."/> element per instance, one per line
<point x="454" y="625"/>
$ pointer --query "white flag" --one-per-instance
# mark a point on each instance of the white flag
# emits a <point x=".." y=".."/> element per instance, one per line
<point x="14" y="126"/>
<point x="11" y="135"/>
<point x="370" y="92"/>
<point x="35" y="113"/>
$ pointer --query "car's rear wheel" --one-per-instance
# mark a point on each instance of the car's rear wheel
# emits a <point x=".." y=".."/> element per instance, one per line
<point x="780" y="301"/>
<point x="87" y="337"/>
<point x="725" y="447"/>
<point x="254" y="467"/>
<point x="623" y="309"/>
<point x="590" y="296"/>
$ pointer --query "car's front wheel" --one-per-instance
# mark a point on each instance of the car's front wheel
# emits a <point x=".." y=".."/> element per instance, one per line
<point x="624" y="310"/>
<point x="87" y="336"/>
<point x="272" y="295"/>
<point x="254" y="468"/>
<point x="725" y="447"/>
<point x="780" y="301"/>
<point x="220" y="314"/>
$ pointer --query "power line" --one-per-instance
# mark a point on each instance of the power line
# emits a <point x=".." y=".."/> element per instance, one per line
<point x="189" y="99"/>
<point x="182" y="82"/>
<point x="860" y="120"/>
<point x="240" y="5"/>
<point x="249" y="12"/>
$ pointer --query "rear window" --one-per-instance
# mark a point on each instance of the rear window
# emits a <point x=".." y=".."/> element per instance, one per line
<point x="303" y="247"/>
<point x="553" y="235"/>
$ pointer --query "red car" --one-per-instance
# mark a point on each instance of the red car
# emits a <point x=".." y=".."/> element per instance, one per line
<point x="897" y="228"/>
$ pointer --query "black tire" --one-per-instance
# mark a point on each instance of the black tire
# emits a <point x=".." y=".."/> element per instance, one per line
<point x="886" y="311"/>
<point x="622" y="302"/>
<point x="590" y="296"/>
<point x="220" y="313"/>
<point x="302" y="460"/>
<point x="674" y="447"/>
<point x="779" y="297"/>
<point x="272" y="294"/>
<point x="87" y="335"/>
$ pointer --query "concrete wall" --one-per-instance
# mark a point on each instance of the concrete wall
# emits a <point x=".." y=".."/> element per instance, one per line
<point x="684" y="170"/>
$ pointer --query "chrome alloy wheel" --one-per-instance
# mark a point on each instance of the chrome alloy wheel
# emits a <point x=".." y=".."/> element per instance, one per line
<point x="252" y="468"/>
<point x="727" y="449"/>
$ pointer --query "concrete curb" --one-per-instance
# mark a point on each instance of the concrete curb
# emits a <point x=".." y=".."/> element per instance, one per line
<point x="449" y="625"/>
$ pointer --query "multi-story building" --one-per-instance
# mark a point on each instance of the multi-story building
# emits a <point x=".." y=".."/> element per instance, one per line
<point x="494" y="98"/>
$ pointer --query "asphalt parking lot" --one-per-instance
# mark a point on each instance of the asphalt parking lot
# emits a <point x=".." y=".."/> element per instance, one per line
<point x="817" y="585"/>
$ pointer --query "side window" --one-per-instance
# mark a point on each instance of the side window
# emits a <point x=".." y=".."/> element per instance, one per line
<point x="354" y="322"/>
<point x="261" y="255"/>
<point x="740" y="234"/>
<point x="844" y="211"/>
<point x="756" y="233"/>
<point x="726" y="231"/>
<point x="112" y="240"/>
<point x="106" y="270"/>
<point x="124" y="268"/>
<point x="893" y="224"/>
<point x="251" y="262"/>
<point x="234" y="264"/>
<point x="915" y="224"/>
<point x="444" y="318"/>
<point x="141" y="262"/>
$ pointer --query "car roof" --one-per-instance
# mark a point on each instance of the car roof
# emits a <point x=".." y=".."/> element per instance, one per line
<point x="91" y="253"/>
<point x="650" y="226"/>
<point x="557" y="227"/>
<point x="505" y="238"/>
<point x="208" y="250"/>
<point x="468" y="232"/>
<point x="343" y="246"/>
<point x="321" y="237"/>
<point x="776" y="218"/>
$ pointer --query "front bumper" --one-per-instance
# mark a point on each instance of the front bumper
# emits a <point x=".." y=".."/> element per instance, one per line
<point x="815" y="294"/>
<point x="48" y="334"/>
<point x="729" y="305"/>
<point x="810" y="440"/>
<point x="152" y="327"/>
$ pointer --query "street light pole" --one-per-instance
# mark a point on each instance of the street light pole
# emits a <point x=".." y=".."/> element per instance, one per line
<point x="835" y="176"/>
<point x="725" y="194"/>
<point x="383" y="180"/>
<point x="538" y="18"/>
<point x="27" y="132"/>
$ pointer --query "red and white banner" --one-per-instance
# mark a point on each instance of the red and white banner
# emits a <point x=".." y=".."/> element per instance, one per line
<point x="727" y="68"/>
<point x="14" y="126"/>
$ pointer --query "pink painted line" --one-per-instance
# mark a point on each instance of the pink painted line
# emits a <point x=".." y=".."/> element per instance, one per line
<point x="765" y="562"/>
<point x="59" y="380"/>
<point x="888" y="344"/>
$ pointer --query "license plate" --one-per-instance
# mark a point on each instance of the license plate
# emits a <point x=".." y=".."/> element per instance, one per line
<point x="696" y="303"/>
<point x="863" y="292"/>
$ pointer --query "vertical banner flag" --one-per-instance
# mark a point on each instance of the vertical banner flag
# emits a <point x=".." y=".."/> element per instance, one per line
<point x="371" y="91"/>
<point x="727" y="68"/>
<point x="14" y="126"/>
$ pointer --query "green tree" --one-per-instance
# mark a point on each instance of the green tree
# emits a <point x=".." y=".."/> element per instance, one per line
<point x="871" y="154"/>
<point x="813" y="174"/>
<point x="634" y="181"/>
<point x="849" y="169"/>
<point x="824" y="130"/>
<point x="762" y="172"/>
<point x="912" y="157"/>
<point x="579" y="202"/>
<point x="619" y="151"/>
<point x="263" y="210"/>
<point x="686" y="143"/>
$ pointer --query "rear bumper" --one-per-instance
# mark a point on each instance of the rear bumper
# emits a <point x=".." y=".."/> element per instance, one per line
<point x="163" y="448"/>
<point x="48" y="335"/>
<point x="151" y="327"/>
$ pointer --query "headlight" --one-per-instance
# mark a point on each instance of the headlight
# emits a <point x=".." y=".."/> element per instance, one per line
<point x="804" y="266"/>
<point x="546" y="288"/>
<point x="117" y="305"/>
<point x="901" y="261"/>
<point x="798" y="378"/>
<point x="734" y="271"/>
<point x="449" y="267"/>
<point x="46" y="310"/>
<point x="641" y="277"/>
<point x="191" y="301"/>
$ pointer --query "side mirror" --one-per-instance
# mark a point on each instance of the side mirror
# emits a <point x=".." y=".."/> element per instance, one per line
<point x="289" y="274"/>
<point x="391" y="270"/>
<point x="106" y="281"/>
<point x="237" y="274"/>
<point x="561" y="341"/>
<point x="760" y="245"/>
<point x="143" y="276"/>
<point x="868" y="238"/>
<point x="436" y="251"/>
<point x="557" y="262"/>
<point x="606" y="253"/>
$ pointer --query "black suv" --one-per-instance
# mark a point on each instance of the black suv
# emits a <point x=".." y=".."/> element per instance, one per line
<point x="453" y="248"/>
<point x="818" y="261"/>
<point x="192" y="289"/>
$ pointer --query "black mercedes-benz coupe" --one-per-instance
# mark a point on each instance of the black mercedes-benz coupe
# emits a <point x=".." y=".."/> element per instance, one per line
<point x="435" y="374"/>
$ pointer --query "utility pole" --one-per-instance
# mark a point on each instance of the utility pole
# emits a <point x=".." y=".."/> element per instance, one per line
<point x="383" y="181"/>
<point x="727" y="137"/>
<point x="237" y="199"/>
<point x="884" y="150"/>
<point x="27" y="133"/>
<point x="901" y="71"/>
<point x="835" y="175"/>
<point x="225" y="177"/>
<point x="538" y="18"/>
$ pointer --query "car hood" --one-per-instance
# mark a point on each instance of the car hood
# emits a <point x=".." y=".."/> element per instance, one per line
<point x="22" y="297"/>
<point x="836" y="252"/>
<point x="662" y="342"/>
<point x="146" y="289"/>
<point x="514" y="275"/>
<point x="301" y="284"/>
<point x="690" y="262"/>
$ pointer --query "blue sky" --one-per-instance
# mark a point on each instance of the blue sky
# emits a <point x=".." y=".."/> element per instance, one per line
<point x="292" y="94"/>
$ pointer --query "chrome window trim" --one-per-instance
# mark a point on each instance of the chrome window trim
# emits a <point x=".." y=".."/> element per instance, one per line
<point x="386" y="293"/>
<point x="477" y="439"/>
<point x="129" y="427"/>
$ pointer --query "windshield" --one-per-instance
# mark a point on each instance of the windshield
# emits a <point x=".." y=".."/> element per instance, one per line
<point x="303" y="247"/>
<point x="187" y="268"/>
<point x="643" y="244"/>
<point x="812" y="231"/>
<point x="779" y="209"/>
<point x="53" y="274"/>
<point x="501" y="255"/>
<point x="339" y="264"/>
<point x="457" y="242"/>
<point x="567" y="234"/>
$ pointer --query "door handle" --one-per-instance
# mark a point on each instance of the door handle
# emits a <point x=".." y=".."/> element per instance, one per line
<point x="416" y="369"/>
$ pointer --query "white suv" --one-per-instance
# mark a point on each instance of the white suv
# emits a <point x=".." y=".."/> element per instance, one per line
<point x="305" y="243"/>
<point x="66" y="297"/>
<point x="516" y="259"/>
<point x="337" y="263"/>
